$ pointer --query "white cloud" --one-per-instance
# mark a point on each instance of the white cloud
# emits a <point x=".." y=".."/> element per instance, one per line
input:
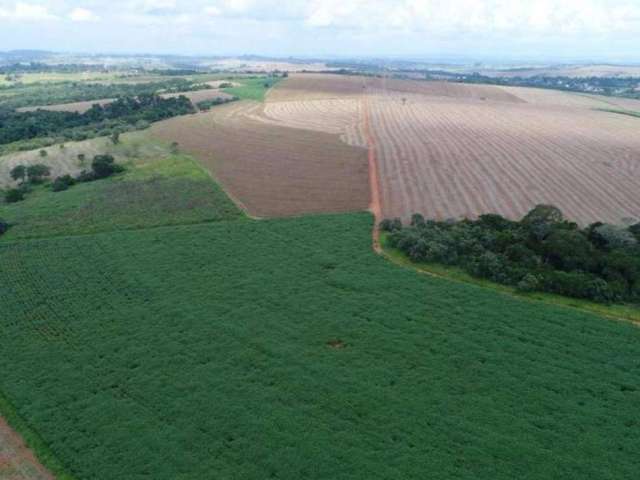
<point x="27" y="12"/>
<point x="83" y="15"/>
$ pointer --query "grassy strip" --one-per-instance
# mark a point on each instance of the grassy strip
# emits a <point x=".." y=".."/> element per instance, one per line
<point x="617" y="312"/>
<point x="629" y="113"/>
<point x="252" y="88"/>
<point x="33" y="440"/>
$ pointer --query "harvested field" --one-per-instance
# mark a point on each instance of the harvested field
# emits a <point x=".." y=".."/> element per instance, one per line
<point x="17" y="462"/>
<point x="453" y="150"/>
<point x="272" y="170"/>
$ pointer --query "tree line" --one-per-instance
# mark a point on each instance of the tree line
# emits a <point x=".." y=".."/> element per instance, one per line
<point x="541" y="252"/>
<point x="126" y="113"/>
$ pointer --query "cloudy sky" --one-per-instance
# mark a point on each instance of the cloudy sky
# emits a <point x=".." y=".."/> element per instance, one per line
<point x="483" y="29"/>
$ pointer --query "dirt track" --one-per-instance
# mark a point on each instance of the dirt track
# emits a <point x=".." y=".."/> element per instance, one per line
<point x="17" y="462"/>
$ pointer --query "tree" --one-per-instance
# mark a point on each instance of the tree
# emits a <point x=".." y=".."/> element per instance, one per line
<point x="38" y="172"/>
<point x="4" y="226"/>
<point x="543" y="214"/>
<point x="43" y="153"/>
<point x="18" y="173"/>
<point x="115" y="138"/>
<point x="14" y="195"/>
<point x="104" y="166"/>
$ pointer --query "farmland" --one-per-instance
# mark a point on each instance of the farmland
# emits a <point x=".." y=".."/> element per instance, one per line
<point x="151" y="329"/>
<point x="453" y="150"/>
<point x="340" y="365"/>
<point x="272" y="170"/>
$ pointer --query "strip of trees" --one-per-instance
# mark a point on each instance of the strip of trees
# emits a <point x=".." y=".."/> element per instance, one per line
<point x="127" y="113"/>
<point x="542" y="252"/>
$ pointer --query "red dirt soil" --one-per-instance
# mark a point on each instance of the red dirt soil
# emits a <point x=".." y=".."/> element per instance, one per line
<point x="17" y="462"/>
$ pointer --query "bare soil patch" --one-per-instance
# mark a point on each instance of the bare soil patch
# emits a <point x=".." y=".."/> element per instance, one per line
<point x="272" y="170"/>
<point x="17" y="462"/>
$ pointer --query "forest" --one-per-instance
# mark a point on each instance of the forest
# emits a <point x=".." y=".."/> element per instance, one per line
<point x="542" y="252"/>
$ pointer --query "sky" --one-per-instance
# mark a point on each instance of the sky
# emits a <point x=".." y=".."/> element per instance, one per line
<point x="603" y="30"/>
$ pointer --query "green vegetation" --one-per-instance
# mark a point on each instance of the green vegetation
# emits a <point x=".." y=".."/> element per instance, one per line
<point x="630" y="113"/>
<point x="51" y="94"/>
<point x="209" y="104"/>
<point x="127" y="113"/>
<point x="159" y="187"/>
<point x="288" y="349"/>
<point x="542" y="252"/>
<point x="629" y="313"/>
<point x="252" y="88"/>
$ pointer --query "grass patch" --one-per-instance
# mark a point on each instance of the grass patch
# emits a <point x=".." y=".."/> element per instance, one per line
<point x="181" y="351"/>
<point x="252" y="88"/>
<point x="629" y="113"/>
<point x="158" y="188"/>
<point x="623" y="312"/>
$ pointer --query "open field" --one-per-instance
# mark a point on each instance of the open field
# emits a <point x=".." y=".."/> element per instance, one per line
<point x="287" y="348"/>
<point x="272" y="170"/>
<point x="453" y="150"/>
<point x="158" y="188"/>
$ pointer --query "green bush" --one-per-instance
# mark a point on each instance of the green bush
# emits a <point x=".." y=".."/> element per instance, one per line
<point x="14" y="195"/>
<point x="62" y="183"/>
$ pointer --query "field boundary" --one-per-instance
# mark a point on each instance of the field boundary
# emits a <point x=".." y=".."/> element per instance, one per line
<point x="47" y="463"/>
<point x="375" y="206"/>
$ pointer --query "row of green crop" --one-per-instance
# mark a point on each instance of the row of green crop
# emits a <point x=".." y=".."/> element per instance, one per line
<point x="210" y="351"/>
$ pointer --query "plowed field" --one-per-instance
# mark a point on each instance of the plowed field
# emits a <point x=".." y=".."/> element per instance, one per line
<point x="272" y="170"/>
<point x="453" y="150"/>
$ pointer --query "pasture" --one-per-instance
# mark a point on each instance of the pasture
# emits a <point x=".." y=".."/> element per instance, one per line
<point x="159" y="187"/>
<point x="288" y="349"/>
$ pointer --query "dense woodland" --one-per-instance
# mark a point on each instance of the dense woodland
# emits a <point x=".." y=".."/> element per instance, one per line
<point x="542" y="252"/>
<point x="123" y="114"/>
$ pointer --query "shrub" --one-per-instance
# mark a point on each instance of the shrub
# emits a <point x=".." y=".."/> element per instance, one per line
<point x="388" y="225"/>
<point x="14" y="195"/>
<point x="62" y="183"/>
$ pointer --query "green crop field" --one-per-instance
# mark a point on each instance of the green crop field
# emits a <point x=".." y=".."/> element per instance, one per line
<point x="288" y="349"/>
<point x="251" y="88"/>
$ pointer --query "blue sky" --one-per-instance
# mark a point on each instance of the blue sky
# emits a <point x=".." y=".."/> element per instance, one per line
<point x="483" y="29"/>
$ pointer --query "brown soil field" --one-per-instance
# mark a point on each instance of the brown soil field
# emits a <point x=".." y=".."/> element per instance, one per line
<point x="17" y="462"/>
<point x="272" y="170"/>
<point x="451" y="150"/>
